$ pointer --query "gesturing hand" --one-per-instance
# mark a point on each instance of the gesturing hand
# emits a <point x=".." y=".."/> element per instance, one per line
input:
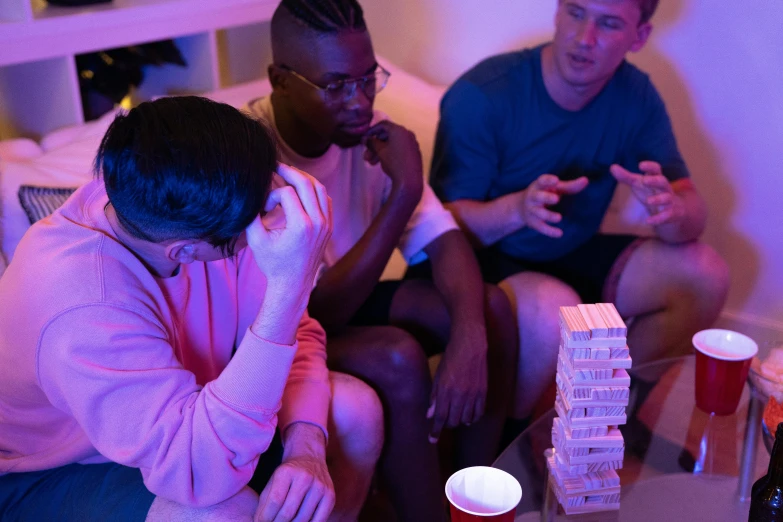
<point x="654" y="191"/>
<point x="397" y="150"/>
<point x="300" y="488"/>
<point x="543" y="192"/>
<point x="459" y="389"/>
<point x="290" y="256"/>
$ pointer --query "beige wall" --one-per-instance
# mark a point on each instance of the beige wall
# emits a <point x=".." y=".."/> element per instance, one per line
<point x="719" y="67"/>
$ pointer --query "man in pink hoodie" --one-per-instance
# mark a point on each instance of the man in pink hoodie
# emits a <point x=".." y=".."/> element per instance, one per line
<point x="153" y="331"/>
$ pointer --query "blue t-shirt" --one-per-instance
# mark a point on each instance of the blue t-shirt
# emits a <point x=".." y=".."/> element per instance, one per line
<point x="500" y="130"/>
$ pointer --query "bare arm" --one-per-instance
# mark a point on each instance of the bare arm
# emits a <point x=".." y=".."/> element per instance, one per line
<point x="459" y="388"/>
<point x="677" y="211"/>
<point x="456" y="275"/>
<point x="694" y="218"/>
<point x="487" y="223"/>
<point x="347" y="284"/>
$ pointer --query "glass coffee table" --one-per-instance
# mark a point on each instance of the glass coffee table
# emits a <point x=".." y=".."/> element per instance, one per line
<point x="680" y="463"/>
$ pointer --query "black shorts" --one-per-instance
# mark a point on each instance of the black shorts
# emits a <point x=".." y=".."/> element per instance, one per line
<point x="96" y="492"/>
<point x="376" y="308"/>
<point x="592" y="270"/>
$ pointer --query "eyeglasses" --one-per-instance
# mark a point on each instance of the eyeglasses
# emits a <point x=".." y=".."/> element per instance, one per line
<point x="344" y="90"/>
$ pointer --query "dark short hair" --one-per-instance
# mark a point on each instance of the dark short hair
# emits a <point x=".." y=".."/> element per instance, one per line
<point x="325" y="16"/>
<point x="187" y="168"/>
<point x="648" y="8"/>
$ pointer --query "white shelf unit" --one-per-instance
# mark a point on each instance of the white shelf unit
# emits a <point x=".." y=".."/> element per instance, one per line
<point x="225" y="42"/>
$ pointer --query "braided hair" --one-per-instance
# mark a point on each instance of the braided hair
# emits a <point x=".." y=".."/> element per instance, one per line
<point x="327" y="16"/>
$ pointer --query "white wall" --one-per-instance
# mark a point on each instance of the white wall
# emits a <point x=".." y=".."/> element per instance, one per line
<point x="719" y="67"/>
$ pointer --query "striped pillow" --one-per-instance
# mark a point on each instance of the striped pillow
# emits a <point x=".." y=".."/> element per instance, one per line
<point x="39" y="202"/>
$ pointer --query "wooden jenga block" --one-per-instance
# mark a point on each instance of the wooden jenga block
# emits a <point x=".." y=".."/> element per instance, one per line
<point x="573" y="324"/>
<point x="592" y="396"/>
<point x="612" y="319"/>
<point x="577" y="456"/>
<point x="595" y="322"/>
<point x="589" y="363"/>
<point x="591" y="377"/>
<point x="591" y="432"/>
<point x="607" y="342"/>
<point x="600" y="353"/>
<point x="577" y="417"/>
<point x="595" y="412"/>
<point x="619" y="353"/>
<point x="597" y="456"/>
<point x="611" y="439"/>
<point x="590" y="467"/>
<point x="602" y="482"/>
<point x="593" y="504"/>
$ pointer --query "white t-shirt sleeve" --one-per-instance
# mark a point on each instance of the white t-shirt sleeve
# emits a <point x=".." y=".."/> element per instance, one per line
<point x="429" y="220"/>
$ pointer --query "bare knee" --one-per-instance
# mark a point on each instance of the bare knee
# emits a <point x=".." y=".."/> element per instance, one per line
<point x="356" y="416"/>
<point x="705" y="272"/>
<point x="395" y="365"/>
<point x="536" y="299"/>
<point x="241" y="506"/>
<point x="404" y="361"/>
<point x="498" y="304"/>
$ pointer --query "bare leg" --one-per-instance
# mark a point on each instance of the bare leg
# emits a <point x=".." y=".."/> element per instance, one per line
<point x="419" y="308"/>
<point x="239" y="508"/>
<point x="355" y="442"/>
<point x="672" y="291"/>
<point x="394" y="364"/>
<point x="536" y="299"/>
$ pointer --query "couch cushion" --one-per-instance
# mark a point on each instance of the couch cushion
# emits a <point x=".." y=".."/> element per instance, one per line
<point x="39" y="202"/>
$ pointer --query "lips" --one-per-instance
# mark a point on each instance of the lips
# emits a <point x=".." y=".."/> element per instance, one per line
<point x="357" y="127"/>
<point x="579" y="61"/>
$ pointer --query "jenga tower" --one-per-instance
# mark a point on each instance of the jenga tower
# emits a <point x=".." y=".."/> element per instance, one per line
<point x="592" y="394"/>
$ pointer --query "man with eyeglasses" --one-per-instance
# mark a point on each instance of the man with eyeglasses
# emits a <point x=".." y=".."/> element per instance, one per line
<point x="529" y="150"/>
<point x="325" y="78"/>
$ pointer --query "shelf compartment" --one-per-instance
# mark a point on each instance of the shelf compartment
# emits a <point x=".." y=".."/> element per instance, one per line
<point x="169" y="79"/>
<point x="244" y="53"/>
<point x="38" y="97"/>
<point x="14" y="11"/>
<point x="60" y="31"/>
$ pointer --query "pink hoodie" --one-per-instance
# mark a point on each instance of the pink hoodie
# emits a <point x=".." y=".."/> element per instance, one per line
<point x="101" y="361"/>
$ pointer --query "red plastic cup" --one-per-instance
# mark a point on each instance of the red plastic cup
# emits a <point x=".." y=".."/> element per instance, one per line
<point x="722" y="362"/>
<point x="481" y="494"/>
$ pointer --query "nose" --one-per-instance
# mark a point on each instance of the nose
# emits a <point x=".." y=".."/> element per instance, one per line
<point x="357" y="98"/>
<point x="587" y="34"/>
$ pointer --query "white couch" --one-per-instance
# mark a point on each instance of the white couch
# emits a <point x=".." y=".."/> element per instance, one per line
<point x="64" y="158"/>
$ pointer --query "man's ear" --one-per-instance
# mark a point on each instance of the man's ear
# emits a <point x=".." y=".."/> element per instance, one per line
<point x="642" y="35"/>
<point x="182" y="251"/>
<point x="278" y="78"/>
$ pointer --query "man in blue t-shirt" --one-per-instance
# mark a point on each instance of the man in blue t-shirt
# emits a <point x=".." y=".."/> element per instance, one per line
<point x="529" y="150"/>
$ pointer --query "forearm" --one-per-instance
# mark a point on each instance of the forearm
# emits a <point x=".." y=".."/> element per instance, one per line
<point x="307" y="391"/>
<point x="486" y="223"/>
<point x="692" y="224"/>
<point x="303" y="438"/>
<point x="281" y="310"/>
<point x="347" y="284"/>
<point x="457" y="277"/>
